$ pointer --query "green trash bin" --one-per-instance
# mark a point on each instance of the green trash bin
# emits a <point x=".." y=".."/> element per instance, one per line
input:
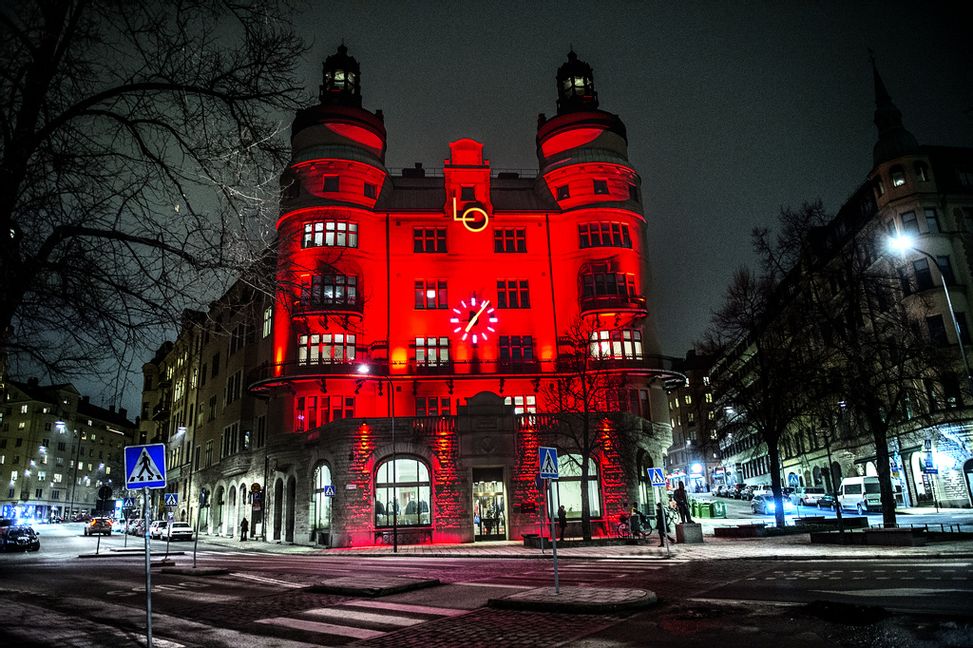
<point x="719" y="509"/>
<point x="694" y="508"/>
<point x="705" y="510"/>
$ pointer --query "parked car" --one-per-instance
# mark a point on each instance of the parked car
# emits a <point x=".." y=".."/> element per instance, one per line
<point x="807" y="495"/>
<point x="826" y="501"/>
<point x="737" y="492"/>
<point x="136" y="528"/>
<point x="860" y="493"/>
<point x="746" y="493"/>
<point x="765" y="504"/>
<point x="721" y="490"/>
<point x="177" y="531"/>
<point x="761" y="489"/>
<point x="98" y="525"/>
<point x="21" y="538"/>
<point x="156" y="529"/>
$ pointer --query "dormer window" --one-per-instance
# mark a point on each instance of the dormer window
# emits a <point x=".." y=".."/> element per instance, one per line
<point x="897" y="175"/>
<point x="601" y="187"/>
<point x="369" y="190"/>
<point x="563" y="192"/>
<point x="467" y="194"/>
<point x="330" y="183"/>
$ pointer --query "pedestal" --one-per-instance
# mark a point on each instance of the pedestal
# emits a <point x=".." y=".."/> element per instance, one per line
<point x="689" y="533"/>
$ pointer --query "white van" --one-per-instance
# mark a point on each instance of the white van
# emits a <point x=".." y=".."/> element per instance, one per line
<point x="860" y="493"/>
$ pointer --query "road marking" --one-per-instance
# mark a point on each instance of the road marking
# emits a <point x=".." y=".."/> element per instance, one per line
<point x="269" y="581"/>
<point x="904" y="591"/>
<point x="323" y="628"/>
<point x="504" y="585"/>
<point x="342" y="613"/>
<point x="407" y="607"/>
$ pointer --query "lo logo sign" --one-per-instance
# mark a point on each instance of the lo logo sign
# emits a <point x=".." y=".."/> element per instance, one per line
<point x="474" y="218"/>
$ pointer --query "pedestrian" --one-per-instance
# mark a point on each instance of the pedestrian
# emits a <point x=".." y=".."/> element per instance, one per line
<point x="660" y="522"/>
<point x="244" y="528"/>
<point x="635" y="523"/>
<point x="682" y="502"/>
<point x="562" y="521"/>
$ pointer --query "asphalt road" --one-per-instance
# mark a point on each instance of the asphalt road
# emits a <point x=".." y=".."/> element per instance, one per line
<point x="263" y="600"/>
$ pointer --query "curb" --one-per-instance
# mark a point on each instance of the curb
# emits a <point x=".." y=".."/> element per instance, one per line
<point x="200" y="571"/>
<point x="347" y="586"/>
<point x="125" y="554"/>
<point x="543" y="600"/>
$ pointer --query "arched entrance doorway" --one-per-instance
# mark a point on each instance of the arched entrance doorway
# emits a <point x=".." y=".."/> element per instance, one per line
<point x="920" y="479"/>
<point x="278" y="507"/>
<point x="291" y="505"/>
<point x="218" y="503"/>
<point x="968" y="474"/>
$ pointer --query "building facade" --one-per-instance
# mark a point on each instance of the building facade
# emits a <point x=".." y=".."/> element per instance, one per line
<point x="922" y="195"/>
<point x="694" y="457"/>
<point x="428" y="333"/>
<point x="57" y="450"/>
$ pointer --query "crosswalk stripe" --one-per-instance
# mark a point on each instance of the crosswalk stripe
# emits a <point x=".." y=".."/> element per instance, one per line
<point x="269" y="581"/>
<point x="505" y="585"/>
<point x="323" y="628"/>
<point x="363" y="617"/>
<point x="406" y="607"/>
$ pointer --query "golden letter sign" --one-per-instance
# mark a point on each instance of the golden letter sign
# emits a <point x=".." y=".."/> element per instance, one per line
<point x="474" y="218"/>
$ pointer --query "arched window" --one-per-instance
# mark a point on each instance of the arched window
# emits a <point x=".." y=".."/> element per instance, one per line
<point x="567" y="487"/>
<point x="402" y="493"/>
<point x="897" y="174"/>
<point x="320" y="514"/>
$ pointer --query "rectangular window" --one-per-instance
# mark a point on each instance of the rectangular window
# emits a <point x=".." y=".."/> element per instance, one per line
<point x="910" y="225"/>
<point x="633" y="193"/>
<point x="467" y="194"/>
<point x="923" y="274"/>
<point x="937" y="330"/>
<point x="315" y="411"/>
<point x="209" y="453"/>
<point x="618" y="344"/>
<point x="324" y="291"/>
<point x="522" y="404"/>
<point x="946" y="270"/>
<point x="326" y="348"/>
<point x="563" y="192"/>
<point x="212" y="409"/>
<point x="432" y="351"/>
<point x="268" y="321"/>
<point x="513" y="293"/>
<point x="429" y="239"/>
<point x="932" y="220"/>
<point x="233" y="387"/>
<point x="604" y="234"/>
<point x="23" y="409"/>
<point x="215" y="364"/>
<point x="510" y="240"/>
<point x="332" y="233"/>
<point x="369" y="190"/>
<point x="432" y="406"/>
<point x="608" y="284"/>
<point x="430" y="294"/>
<point x="237" y="336"/>
<point x="330" y="183"/>
<point x="516" y="349"/>
<point x="601" y="187"/>
<point x="964" y="332"/>
<point x="261" y="431"/>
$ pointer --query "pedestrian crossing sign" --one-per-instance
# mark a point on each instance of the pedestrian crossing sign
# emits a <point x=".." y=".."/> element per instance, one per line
<point x="145" y="466"/>
<point x="329" y="490"/>
<point x="656" y="476"/>
<point x="171" y="499"/>
<point x="129" y="503"/>
<point x="547" y="460"/>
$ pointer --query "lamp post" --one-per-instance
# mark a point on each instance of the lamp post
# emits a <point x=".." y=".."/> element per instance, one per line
<point x="61" y="426"/>
<point x="364" y="369"/>
<point x="903" y="244"/>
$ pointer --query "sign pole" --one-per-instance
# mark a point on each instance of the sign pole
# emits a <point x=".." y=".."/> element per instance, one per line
<point x="148" y="571"/>
<point x="665" y="522"/>
<point x="550" y="499"/>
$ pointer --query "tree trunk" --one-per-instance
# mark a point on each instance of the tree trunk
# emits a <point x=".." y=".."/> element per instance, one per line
<point x="773" y="452"/>
<point x="585" y="503"/>
<point x="880" y="439"/>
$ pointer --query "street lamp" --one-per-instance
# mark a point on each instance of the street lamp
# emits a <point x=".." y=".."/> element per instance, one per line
<point x="903" y="244"/>
<point x="364" y="369"/>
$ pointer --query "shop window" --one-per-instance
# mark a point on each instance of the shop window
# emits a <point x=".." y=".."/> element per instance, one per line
<point x="429" y="239"/>
<point x="403" y="493"/>
<point x="513" y="293"/>
<point x="601" y="187"/>
<point x="319" y="515"/>
<point x="604" y="234"/>
<point x="430" y="294"/>
<point x="510" y="240"/>
<point x="567" y="487"/>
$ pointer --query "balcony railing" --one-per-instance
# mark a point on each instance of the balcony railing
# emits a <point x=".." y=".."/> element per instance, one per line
<point x="336" y="306"/>
<point x="518" y="366"/>
<point x="614" y="303"/>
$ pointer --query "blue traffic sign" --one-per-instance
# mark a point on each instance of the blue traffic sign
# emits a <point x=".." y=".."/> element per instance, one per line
<point x="329" y="490"/>
<point x="145" y="466"/>
<point x="656" y="476"/>
<point x="129" y="502"/>
<point x="171" y="499"/>
<point x="547" y="462"/>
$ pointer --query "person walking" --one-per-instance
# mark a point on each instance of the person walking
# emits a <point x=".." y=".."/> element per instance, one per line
<point x="660" y="521"/>
<point x="682" y="502"/>
<point x="244" y="528"/>
<point x="562" y="521"/>
<point x="635" y="523"/>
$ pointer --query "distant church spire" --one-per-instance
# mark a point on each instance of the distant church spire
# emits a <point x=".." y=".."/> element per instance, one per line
<point x="893" y="138"/>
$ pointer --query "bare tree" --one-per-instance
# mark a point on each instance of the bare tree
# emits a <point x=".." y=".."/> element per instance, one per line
<point x="140" y="151"/>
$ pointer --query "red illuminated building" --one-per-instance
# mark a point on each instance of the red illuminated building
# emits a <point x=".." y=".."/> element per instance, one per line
<point x="425" y="321"/>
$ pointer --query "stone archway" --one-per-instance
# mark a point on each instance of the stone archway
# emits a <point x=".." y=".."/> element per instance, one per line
<point x="218" y="503"/>
<point x="968" y="474"/>
<point x="278" y="507"/>
<point x="290" y="510"/>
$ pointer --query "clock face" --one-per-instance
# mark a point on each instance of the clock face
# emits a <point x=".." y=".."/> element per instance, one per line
<point x="474" y="319"/>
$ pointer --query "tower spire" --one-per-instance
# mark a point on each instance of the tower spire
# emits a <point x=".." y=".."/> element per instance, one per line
<point x="894" y="140"/>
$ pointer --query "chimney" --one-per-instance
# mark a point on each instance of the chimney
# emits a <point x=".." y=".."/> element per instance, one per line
<point x="123" y="412"/>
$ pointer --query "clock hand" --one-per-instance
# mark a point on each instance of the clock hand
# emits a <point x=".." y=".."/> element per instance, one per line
<point x="486" y="302"/>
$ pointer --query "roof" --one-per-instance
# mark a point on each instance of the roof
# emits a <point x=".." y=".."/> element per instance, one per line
<point x="429" y="194"/>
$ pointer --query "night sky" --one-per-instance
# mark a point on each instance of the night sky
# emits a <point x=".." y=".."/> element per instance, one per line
<point x="732" y="109"/>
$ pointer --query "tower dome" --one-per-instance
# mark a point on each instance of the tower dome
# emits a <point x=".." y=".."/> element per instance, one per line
<point x="575" y="86"/>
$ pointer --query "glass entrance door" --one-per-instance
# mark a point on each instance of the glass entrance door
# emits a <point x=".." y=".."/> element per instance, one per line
<point x="489" y="505"/>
